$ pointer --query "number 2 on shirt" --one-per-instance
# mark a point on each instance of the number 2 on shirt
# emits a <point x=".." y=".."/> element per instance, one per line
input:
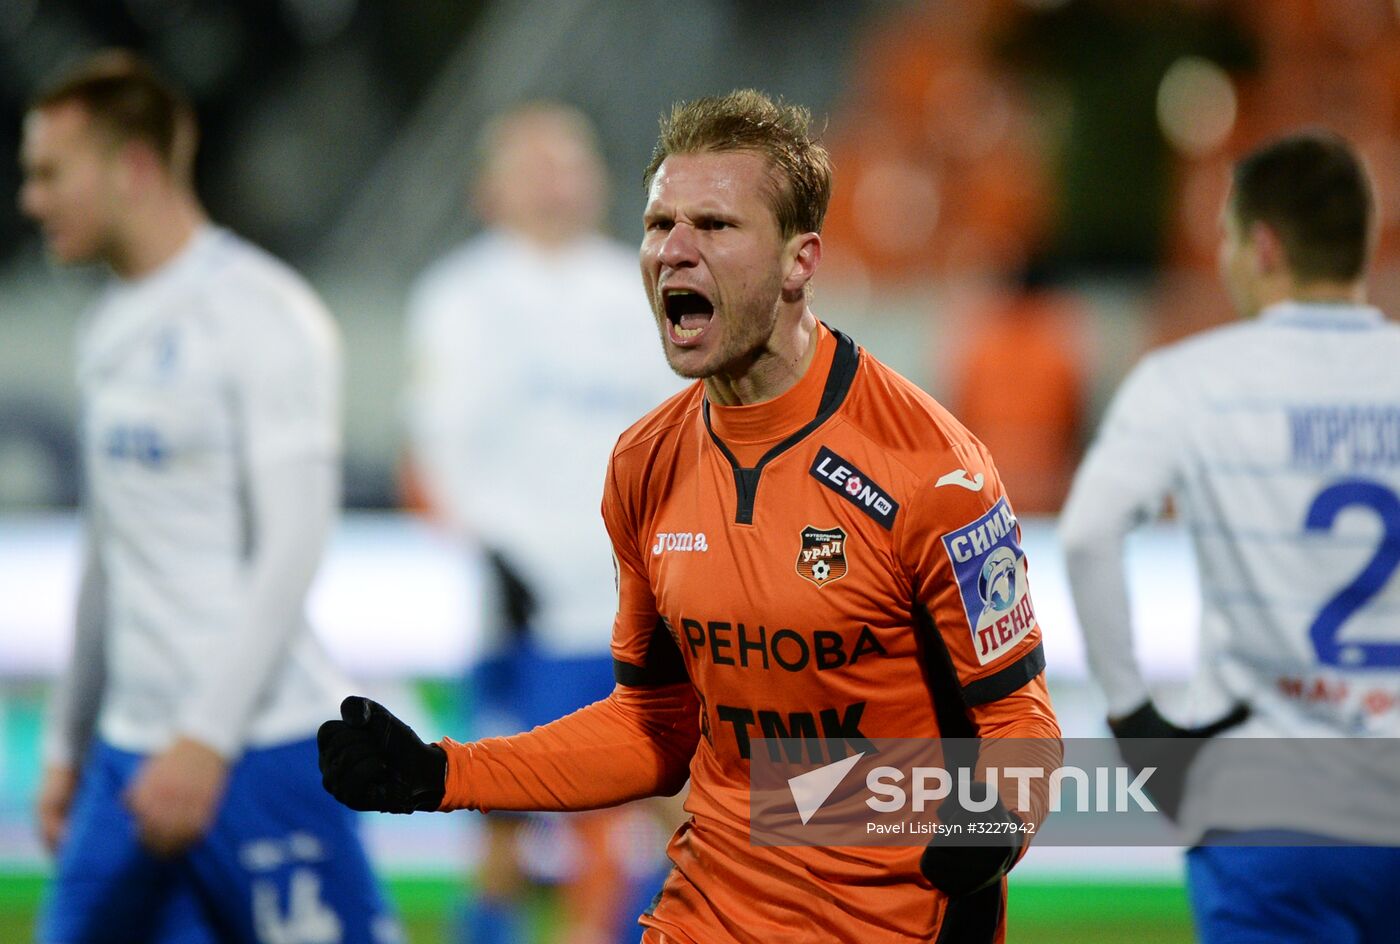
<point x="1326" y="627"/>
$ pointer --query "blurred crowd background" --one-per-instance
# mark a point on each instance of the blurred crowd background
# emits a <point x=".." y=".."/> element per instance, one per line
<point x="1027" y="191"/>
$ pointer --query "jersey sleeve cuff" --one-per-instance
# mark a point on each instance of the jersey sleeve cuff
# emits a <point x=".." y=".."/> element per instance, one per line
<point x="457" y="792"/>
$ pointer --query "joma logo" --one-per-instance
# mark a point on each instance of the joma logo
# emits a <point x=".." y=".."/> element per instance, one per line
<point x="679" y="541"/>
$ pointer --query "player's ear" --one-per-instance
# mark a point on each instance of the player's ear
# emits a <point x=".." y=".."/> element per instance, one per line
<point x="801" y="256"/>
<point x="1266" y="249"/>
<point x="140" y="169"/>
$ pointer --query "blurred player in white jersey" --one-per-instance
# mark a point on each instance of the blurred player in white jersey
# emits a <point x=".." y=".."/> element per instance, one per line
<point x="531" y="350"/>
<point x="180" y="789"/>
<point x="1279" y="442"/>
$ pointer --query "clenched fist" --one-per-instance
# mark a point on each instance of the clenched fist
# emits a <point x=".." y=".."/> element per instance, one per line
<point x="371" y="760"/>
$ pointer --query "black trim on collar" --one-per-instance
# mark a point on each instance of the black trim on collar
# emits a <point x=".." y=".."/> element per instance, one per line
<point x="838" y="384"/>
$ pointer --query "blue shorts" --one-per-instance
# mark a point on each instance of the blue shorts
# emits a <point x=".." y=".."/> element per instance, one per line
<point x="1256" y="894"/>
<point x="282" y="863"/>
<point x="522" y="688"/>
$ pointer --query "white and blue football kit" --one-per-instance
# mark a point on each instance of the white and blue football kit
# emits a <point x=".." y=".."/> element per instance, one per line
<point x="1278" y="441"/>
<point x="210" y="429"/>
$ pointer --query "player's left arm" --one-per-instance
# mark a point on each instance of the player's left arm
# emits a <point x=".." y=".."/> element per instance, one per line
<point x="984" y="656"/>
<point x="1127" y="474"/>
<point x="285" y="381"/>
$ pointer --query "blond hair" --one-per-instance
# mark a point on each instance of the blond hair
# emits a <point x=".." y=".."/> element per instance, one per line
<point x="748" y="120"/>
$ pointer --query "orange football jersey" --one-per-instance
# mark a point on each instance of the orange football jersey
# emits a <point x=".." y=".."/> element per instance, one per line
<point x="837" y="563"/>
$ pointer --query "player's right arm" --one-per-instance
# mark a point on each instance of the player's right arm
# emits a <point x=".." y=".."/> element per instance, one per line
<point x="74" y="701"/>
<point x="637" y="742"/>
<point x="1136" y="461"/>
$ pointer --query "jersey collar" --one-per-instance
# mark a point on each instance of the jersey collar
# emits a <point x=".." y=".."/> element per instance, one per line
<point x="838" y="383"/>
<point x="1323" y="316"/>
<point x="772" y="420"/>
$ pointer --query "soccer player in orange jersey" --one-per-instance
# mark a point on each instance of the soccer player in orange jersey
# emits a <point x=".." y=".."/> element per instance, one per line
<point x="807" y="545"/>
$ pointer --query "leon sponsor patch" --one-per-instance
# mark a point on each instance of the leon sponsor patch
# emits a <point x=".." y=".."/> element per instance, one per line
<point x="843" y="478"/>
<point x="822" y="557"/>
<point x="991" y="572"/>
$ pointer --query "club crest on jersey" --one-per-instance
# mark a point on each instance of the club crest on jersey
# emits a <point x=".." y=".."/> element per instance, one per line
<point x="822" y="557"/>
<point x="855" y="486"/>
<point x="991" y="572"/>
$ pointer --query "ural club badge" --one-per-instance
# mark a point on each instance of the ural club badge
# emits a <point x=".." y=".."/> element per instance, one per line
<point x="823" y="555"/>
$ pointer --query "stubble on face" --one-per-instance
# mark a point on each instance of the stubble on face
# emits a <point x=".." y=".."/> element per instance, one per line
<point x="730" y="249"/>
<point x="746" y="331"/>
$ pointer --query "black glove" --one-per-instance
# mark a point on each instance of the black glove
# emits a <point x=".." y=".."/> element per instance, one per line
<point x="373" y="761"/>
<point x="980" y="853"/>
<point x="1146" y="739"/>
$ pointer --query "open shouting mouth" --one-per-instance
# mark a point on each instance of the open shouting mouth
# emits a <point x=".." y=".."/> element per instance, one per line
<point x="689" y="313"/>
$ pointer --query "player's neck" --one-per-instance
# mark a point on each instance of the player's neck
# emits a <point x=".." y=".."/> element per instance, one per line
<point x="1329" y="293"/>
<point x="155" y="235"/>
<point x="774" y="372"/>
